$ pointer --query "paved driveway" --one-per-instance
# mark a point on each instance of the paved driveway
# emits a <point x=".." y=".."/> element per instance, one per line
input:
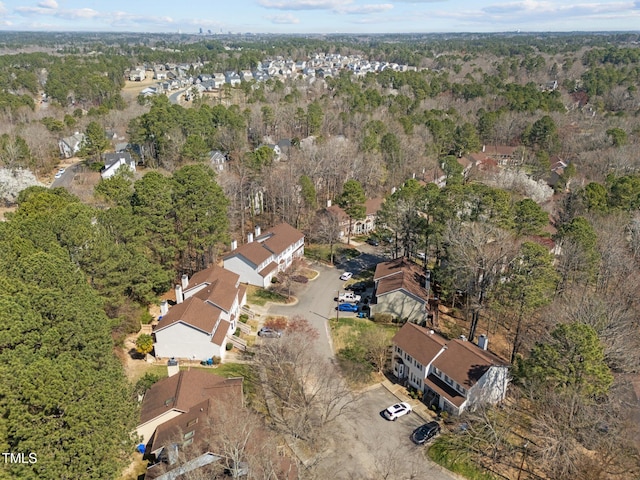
<point x="316" y="298"/>
<point x="369" y="446"/>
<point x="67" y="177"/>
<point x="315" y="303"/>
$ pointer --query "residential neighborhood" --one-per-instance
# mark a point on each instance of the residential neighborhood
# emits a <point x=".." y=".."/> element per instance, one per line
<point x="313" y="256"/>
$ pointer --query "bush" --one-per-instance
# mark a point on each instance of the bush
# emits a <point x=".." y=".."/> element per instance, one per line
<point x="244" y="318"/>
<point x="300" y="279"/>
<point x="146" y="382"/>
<point x="217" y="360"/>
<point x="229" y="346"/>
<point x="146" y="318"/>
<point x="144" y="344"/>
<point x="236" y="333"/>
<point x="383" y="318"/>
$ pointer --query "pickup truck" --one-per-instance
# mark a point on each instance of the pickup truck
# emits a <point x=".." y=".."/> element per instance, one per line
<point x="349" y="297"/>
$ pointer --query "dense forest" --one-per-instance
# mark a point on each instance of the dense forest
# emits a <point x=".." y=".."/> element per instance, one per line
<point x="80" y="270"/>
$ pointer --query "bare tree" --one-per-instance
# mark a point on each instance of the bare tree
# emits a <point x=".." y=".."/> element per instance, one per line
<point x="478" y="253"/>
<point x="327" y="230"/>
<point x="308" y="391"/>
<point x="377" y="346"/>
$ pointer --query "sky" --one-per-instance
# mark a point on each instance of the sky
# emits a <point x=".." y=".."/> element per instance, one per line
<point x="320" y="16"/>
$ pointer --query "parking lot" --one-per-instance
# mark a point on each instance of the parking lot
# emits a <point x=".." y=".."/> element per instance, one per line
<point x="369" y="446"/>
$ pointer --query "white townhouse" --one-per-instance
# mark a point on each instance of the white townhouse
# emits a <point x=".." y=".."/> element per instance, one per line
<point x="455" y="375"/>
<point x="113" y="162"/>
<point x="266" y="254"/>
<point x="206" y="313"/>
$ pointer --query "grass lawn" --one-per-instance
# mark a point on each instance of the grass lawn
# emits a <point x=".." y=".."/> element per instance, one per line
<point x="346" y="329"/>
<point x="260" y="296"/>
<point x="322" y="252"/>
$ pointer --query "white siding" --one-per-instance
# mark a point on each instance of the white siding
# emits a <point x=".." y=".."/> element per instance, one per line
<point x="401" y="305"/>
<point x="248" y="274"/>
<point x="491" y="388"/>
<point x="183" y="341"/>
<point x="146" y="429"/>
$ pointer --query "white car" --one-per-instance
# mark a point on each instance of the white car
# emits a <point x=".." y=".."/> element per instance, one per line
<point x="395" y="411"/>
<point x="346" y="276"/>
<point x="60" y="173"/>
<point x="349" y="297"/>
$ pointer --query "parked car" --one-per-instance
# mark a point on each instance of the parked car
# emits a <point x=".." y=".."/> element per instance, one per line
<point x="60" y="173"/>
<point x="347" y="307"/>
<point x="269" y="333"/>
<point x="349" y="297"/>
<point x="373" y="241"/>
<point x="425" y="432"/>
<point x="421" y="255"/>
<point x="357" y="287"/>
<point x="346" y="276"/>
<point x="396" y="411"/>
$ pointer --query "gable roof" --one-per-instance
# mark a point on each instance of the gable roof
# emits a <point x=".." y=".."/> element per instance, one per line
<point x="74" y="140"/>
<point x="371" y="205"/>
<point x="184" y="390"/>
<point x="111" y="159"/>
<point x="465" y="362"/>
<point x="221" y="286"/>
<point x="272" y="242"/>
<point x="419" y="342"/>
<point x="280" y="237"/>
<point x="461" y="360"/>
<point x="400" y="273"/>
<point x="193" y="311"/>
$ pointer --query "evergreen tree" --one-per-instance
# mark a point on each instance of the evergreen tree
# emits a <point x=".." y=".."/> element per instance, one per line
<point x="352" y="202"/>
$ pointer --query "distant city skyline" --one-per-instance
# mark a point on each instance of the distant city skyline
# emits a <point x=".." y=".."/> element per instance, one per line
<point x="320" y="16"/>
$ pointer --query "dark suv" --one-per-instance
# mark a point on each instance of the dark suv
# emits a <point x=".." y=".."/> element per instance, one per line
<point x="425" y="432"/>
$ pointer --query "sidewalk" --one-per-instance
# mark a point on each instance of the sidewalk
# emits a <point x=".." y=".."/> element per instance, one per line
<point x="417" y="406"/>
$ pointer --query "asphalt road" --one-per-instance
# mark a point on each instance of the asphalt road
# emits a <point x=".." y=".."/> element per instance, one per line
<point x="67" y="177"/>
<point x="316" y="298"/>
<point x="364" y="445"/>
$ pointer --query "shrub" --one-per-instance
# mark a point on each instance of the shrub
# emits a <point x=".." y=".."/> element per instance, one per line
<point x="383" y="318"/>
<point x="229" y="346"/>
<point x="236" y="333"/>
<point x="146" y="318"/>
<point x="144" y="344"/>
<point x="244" y="318"/>
<point x="217" y="360"/>
<point x="146" y="382"/>
<point x="300" y="279"/>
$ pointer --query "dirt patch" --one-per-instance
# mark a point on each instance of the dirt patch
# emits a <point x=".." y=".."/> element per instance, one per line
<point x="4" y="210"/>
<point x="131" y="90"/>
<point x="452" y="325"/>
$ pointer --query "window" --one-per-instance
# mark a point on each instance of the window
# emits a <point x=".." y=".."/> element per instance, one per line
<point x="192" y="422"/>
<point x="448" y="380"/>
<point x="436" y="371"/>
<point x="188" y="435"/>
<point x="460" y="389"/>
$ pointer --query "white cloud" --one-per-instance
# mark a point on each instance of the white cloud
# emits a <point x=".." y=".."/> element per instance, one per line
<point x="304" y="4"/>
<point x="365" y="9"/>
<point x="3" y="9"/>
<point x="533" y="7"/>
<point x="286" y="19"/>
<point x="48" y="4"/>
